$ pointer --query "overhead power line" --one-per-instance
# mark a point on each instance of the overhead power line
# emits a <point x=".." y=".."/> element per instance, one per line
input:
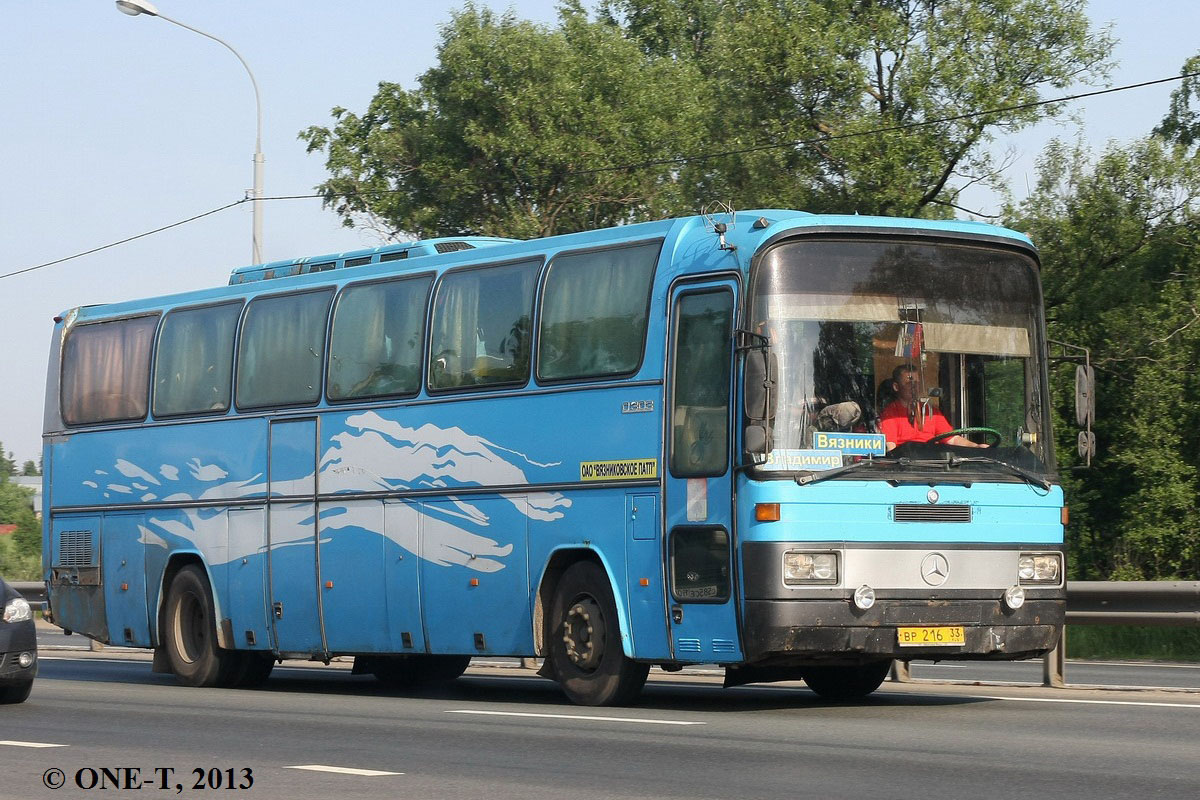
<point x="673" y="160"/>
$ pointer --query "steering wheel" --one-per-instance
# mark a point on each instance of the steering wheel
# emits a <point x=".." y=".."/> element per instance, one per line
<point x="993" y="436"/>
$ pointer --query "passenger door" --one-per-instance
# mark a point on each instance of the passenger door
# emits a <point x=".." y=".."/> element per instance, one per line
<point x="699" y="489"/>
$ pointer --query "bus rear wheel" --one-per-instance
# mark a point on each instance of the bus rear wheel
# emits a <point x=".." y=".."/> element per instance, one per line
<point x="191" y="633"/>
<point x="851" y="682"/>
<point x="585" y="642"/>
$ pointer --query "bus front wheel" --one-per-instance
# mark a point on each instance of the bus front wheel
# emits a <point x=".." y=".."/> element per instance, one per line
<point x="585" y="642"/>
<point x="191" y="633"/>
<point x="835" y="682"/>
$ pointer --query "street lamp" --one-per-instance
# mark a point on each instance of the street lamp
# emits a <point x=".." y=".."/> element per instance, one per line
<point x="135" y="7"/>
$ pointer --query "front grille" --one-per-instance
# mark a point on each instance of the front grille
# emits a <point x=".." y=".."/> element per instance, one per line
<point x="75" y="549"/>
<point x="919" y="512"/>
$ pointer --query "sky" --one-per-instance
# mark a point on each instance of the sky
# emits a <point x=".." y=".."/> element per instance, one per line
<point x="112" y="125"/>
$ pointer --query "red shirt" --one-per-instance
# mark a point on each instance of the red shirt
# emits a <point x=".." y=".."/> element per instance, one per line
<point x="894" y="425"/>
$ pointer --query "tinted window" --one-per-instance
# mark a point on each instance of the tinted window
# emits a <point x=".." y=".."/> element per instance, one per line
<point x="700" y="416"/>
<point x="282" y="350"/>
<point x="106" y="371"/>
<point x="593" y="318"/>
<point x="193" y="366"/>
<point x="481" y="326"/>
<point x="375" y="349"/>
<point x="700" y="565"/>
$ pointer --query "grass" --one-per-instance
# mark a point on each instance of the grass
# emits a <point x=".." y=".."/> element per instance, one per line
<point x="1133" y="642"/>
<point x="16" y="566"/>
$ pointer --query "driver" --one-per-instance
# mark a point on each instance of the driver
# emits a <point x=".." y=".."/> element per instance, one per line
<point x="896" y="422"/>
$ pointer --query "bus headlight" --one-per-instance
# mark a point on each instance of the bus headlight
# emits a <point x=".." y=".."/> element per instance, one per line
<point x="1039" y="568"/>
<point x="17" y="610"/>
<point x="801" y="568"/>
<point x="1014" y="597"/>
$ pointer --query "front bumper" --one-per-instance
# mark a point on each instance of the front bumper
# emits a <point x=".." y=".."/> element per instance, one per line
<point x="15" y="639"/>
<point x="834" y="631"/>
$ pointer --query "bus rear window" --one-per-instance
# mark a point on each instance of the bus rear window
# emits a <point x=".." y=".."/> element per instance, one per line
<point x="106" y="371"/>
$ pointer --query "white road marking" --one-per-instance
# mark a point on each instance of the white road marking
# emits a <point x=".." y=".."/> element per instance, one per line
<point x="370" y="773"/>
<point x="576" y="716"/>
<point x="1193" y="706"/>
<point x="32" y="744"/>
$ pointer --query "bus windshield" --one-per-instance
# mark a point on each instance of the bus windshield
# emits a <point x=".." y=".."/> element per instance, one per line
<point x="907" y="340"/>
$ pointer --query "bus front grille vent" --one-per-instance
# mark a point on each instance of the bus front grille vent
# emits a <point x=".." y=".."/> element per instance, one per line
<point x="75" y="549"/>
<point x="688" y="645"/>
<point x="724" y="646"/>
<point x="920" y="512"/>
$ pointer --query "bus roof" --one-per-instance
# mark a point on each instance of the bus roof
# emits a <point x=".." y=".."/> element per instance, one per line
<point x="747" y="231"/>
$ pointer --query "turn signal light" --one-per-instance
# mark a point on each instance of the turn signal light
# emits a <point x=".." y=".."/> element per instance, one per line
<point x="766" y="512"/>
<point x="1066" y="516"/>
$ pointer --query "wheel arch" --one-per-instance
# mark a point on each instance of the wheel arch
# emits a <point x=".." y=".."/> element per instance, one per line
<point x="560" y="559"/>
<point x="176" y="562"/>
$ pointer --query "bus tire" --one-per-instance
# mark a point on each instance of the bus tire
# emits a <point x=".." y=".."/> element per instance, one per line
<point x="191" y="633"/>
<point x="585" y="641"/>
<point x="848" y="682"/>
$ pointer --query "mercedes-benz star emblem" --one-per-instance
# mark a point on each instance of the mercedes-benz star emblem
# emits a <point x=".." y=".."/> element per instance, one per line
<point x="932" y="495"/>
<point x="935" y="569"/>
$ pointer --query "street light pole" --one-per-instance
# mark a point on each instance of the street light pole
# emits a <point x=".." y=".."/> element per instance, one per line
<point x="135" y="7"/>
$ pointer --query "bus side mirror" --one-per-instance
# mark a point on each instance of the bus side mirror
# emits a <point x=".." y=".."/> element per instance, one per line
<point x="1085" y="411"/>
<point x="760" y="391"/>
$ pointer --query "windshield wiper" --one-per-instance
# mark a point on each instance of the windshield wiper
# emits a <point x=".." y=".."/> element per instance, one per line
<point x="1020" y="472"/>
<point x="826" y="474"/>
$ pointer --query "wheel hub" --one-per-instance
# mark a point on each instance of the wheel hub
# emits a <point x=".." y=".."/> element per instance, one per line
<point x="584" y="634"/>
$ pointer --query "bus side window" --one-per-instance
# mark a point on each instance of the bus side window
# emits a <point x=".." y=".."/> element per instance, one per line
<point x="106" y="371"/>
<point x="482" y="325"/>
<point x="594" y="311"/>
<point x="193" y="363"/>
<point x="282" y="350"/>
<point x="375" y="348"/>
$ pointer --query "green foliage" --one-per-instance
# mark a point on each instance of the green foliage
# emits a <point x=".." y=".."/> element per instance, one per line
<point x="1133" y="642"/>
<point x="1119" y="238"/>
<point x="21" y="551"/>
<point x="30" y="469"/>
<point x="511" y="133"/>
<point x="7" y="465"/>
<point x="499" y="137"/>
<point x="827" y="70"/>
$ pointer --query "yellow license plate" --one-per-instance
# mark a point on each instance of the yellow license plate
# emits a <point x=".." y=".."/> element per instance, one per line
<point x="947" y="635"/>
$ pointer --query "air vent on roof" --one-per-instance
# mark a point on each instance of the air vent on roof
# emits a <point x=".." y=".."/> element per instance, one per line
<point x="394" y="256"/>
<point x="324" y="266"/>
<point x="358" y="262"/>
<point x="450" y="247"/>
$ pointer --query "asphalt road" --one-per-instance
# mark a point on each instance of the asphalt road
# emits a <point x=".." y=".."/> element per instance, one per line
<point x="501" y="733"/>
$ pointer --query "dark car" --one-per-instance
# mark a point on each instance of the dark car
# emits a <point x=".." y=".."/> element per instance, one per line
<point x="18" y="646"/>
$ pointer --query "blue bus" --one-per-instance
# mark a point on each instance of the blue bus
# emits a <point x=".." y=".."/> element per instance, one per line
<point x="796" y="446"/>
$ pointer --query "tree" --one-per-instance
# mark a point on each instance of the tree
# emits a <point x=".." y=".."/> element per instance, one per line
<point x="7" y="465"/>
<point x="504" y="135"/>
<point x="517" y="130"/>
<point x="831" y="72"/>
<point x="1120" y="243"/>
<point x="30" y="469"/>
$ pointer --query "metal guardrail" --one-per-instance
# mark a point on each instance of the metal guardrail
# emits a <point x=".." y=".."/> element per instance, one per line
<point x="1154" y="603"/>
<point x="33" y="591"/>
